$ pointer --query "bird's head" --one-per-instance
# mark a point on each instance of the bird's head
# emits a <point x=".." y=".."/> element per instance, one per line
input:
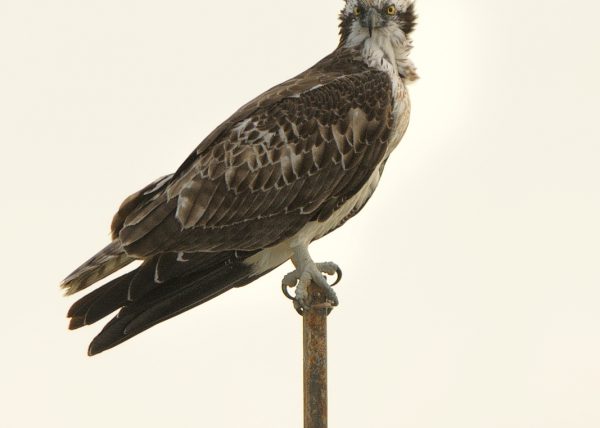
<point x="387" y="24"/>
<point x="363" y="18"/>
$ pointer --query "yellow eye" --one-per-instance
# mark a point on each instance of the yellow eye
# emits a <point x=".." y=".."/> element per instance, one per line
<point x="357" y="11"/>
<point x="391" y="10"/>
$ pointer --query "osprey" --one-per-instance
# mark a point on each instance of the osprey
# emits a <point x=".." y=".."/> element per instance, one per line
<point x="286" y="169"/>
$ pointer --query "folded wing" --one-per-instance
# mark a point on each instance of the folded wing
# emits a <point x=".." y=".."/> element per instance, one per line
<point x="291" y="156"/>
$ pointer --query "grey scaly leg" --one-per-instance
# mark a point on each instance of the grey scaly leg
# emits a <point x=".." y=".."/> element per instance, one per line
<point x="308" y="271"/>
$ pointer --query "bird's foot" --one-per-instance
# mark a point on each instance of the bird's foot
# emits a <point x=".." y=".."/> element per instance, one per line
<point x="301" y="279"/>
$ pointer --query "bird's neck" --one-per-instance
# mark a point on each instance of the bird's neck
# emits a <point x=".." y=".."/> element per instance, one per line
<point x="386" y="50"/>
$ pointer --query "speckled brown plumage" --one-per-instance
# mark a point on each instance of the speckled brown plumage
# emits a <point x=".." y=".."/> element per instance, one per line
<point x="291" y="155"/>
<point x="285" y="169"/>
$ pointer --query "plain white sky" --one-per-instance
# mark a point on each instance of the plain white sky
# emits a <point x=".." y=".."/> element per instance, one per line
<point x="472" y="280"/>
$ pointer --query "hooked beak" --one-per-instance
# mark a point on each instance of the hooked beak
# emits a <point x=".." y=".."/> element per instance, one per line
<point x="372" y="19"/>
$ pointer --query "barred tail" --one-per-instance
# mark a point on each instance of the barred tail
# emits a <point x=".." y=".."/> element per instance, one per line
<point x="107" y="261"/>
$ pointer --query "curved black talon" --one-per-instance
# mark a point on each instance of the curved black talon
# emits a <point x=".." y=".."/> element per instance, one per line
<point x="297" y="306"/>
<point x="338" y="276"/>
<point x="286" y="293"/>
<point x="338" y="272"/>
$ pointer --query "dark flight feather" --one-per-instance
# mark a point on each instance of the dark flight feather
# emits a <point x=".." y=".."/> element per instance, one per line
<point x="163" y="301"/>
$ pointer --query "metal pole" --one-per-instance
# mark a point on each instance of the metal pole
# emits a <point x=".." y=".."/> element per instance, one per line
<point x="315" y="359"/>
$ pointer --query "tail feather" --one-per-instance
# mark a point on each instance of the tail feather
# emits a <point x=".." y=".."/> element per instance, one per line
<point x="107" y="261"/>
<point x="101" y="302"/>
<point x="161" y="288"/>
<point x="135" y="319"/>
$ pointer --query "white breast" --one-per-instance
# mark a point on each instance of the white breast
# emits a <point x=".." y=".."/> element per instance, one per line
<point x="315" y="230"/>
<point x="401" y="113"/>
<point x="386" y="51"/>
<point x="278" y="254"/>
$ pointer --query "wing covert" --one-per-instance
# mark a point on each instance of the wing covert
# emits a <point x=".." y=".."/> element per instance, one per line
<point x="270" y="172"/>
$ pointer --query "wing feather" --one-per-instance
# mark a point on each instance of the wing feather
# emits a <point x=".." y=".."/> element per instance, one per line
<point x="305" y="146"/>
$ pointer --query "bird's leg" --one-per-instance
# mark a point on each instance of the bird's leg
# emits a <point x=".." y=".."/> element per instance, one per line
<point x="308" y="271"/>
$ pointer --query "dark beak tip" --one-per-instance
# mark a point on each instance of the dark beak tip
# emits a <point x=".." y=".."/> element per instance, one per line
<point x="372" y="21"/>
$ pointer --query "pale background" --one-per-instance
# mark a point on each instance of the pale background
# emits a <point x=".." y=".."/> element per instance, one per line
<point x="472" y="280"/>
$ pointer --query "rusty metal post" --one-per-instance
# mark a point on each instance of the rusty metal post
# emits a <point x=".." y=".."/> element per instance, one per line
<point x="315" y="360"/>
